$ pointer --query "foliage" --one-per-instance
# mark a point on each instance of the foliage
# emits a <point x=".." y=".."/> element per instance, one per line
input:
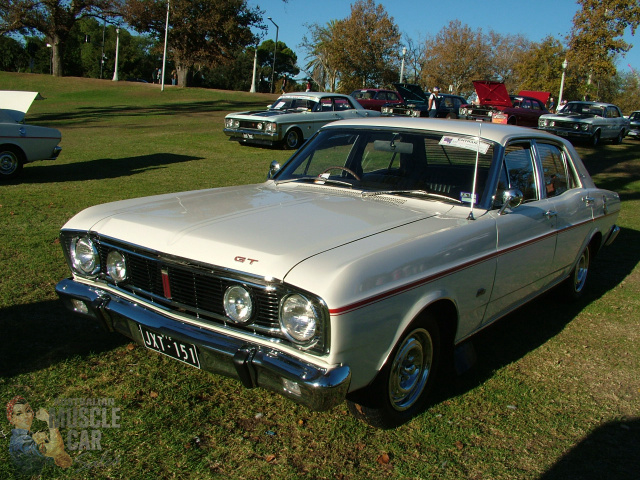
<point x="53" y="19"/>
<point x="597" y="39"/>
<point x="286" y="63"/>
<point x="203" y="33"/>
<point x="365" y="47"/>
<point x="322" y="65"/>
<point x="14" y="57"/>
<point x="456" y="56"/>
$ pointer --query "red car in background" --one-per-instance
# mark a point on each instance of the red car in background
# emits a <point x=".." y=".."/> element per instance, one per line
<point x="495" y="105"/>
<point x="375" y="98"/>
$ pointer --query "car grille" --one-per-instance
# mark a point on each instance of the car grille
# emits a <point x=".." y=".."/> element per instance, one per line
<point x="251" y="124"/>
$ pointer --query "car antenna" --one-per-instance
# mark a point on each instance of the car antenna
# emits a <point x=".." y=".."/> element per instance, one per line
<point x="475" y="173"/>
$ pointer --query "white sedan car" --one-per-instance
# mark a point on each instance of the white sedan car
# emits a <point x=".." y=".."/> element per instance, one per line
<point x="292" y="118"/>
<point x="20" y="143"/>
<point x="356" y="269"/>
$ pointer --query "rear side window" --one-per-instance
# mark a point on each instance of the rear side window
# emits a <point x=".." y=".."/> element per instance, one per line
<point x="558" y="177"/>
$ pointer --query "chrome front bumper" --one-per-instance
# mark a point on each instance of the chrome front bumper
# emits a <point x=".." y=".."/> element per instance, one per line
<point x="253" y="364"/>
<point x="243" y="135"/>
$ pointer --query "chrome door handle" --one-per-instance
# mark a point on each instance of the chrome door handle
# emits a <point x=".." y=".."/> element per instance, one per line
<point x="588" y="201"/>
<point x="551" y="213"/>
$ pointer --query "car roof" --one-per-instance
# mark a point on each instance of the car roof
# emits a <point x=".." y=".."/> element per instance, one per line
<point x="373" y="90"/>
<point x="589" y="102"/>
<point x="498" y="133"/>
<point x="312" y="95"/>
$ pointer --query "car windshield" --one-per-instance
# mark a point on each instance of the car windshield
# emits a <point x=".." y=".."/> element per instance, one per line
<point x="583" y="108"/>
<point x="422" y="164"/>
<point x="293" y="103"/>
<point x="634" y="116"/>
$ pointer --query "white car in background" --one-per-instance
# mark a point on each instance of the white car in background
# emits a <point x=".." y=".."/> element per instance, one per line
<point x="292" y="118"/>
<point x="21" y="143"/>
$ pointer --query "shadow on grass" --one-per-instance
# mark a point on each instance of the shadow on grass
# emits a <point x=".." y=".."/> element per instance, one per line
<point x="610" y="451"/>
<point x="42" y="334"/>
<point x="88" y="114"/>
<point x="99" y="169"/>
<point x="532" y="325"/>
<point x="615" y="165"/>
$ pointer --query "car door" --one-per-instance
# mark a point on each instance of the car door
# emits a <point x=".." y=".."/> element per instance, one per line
<point x="526" y="234"/>
<point x="571" y="204"/>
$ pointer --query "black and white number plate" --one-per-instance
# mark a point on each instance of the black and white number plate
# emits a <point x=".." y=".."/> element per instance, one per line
<point x="185" y="352"/>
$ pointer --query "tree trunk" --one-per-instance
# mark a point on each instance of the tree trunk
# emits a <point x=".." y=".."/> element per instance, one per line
<point x="182" y="75"/>
<point x="56" y="56"/>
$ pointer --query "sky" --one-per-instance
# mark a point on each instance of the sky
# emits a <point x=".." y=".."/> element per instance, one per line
<point x="419" y="19"/>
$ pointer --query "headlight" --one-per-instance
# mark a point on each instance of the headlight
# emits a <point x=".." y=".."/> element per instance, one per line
<point x="228" y="122"/>
<point x="238" y="304"/>
<point x="415" y="113"/>
<point x="299" y="318"/>
<point x="84" y="256"/>
<point x="259" y="126"/>
<point x="116" y="266"/>
<point x="585" y="127"/>
<point x="270" y="127"/>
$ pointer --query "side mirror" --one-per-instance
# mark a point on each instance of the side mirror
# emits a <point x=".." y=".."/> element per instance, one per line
<point x="273" y="169"/>
<point x="511" y="199"/>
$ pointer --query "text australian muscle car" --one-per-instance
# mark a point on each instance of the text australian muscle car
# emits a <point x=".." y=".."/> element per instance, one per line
<point x="292" y="118"/>
<point x="356" y="268"/>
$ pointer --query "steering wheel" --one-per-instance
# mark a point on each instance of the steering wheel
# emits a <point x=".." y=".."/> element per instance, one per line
<point x="349" y="171"/>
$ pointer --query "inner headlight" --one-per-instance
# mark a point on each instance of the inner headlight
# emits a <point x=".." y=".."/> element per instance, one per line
<point x="84" y="256"/>
<point x="299" y="318"/>
<point x="238" y="304"/>
<point x="116" y="266"/>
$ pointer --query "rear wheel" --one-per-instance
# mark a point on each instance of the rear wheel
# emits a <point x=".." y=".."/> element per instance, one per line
<point x="11" y="162"/>
<point x="401" y="389"/>
<point x="575" y="284"/>
<point x="619" y="138"/>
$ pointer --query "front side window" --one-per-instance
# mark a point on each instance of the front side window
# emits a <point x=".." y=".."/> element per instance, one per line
<point x="517" y="172"/>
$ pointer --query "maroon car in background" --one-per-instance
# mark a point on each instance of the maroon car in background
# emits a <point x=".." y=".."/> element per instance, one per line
<point x="375" y="98"/>
<point x="495" y="105"/>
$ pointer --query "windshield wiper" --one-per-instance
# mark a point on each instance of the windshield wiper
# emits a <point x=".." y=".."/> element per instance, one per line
<point x="315" y="180"/>
<point x="411" y="192"/>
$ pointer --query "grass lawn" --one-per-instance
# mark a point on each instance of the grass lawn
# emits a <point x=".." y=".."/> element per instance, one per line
<point x="555" y="394"/>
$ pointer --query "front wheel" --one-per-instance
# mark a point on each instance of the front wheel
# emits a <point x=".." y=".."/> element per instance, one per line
<point x="619" y="138"/>
<point x="293" y="139"/>
<point x="595" y="139"/>
<point x="10" y="162"/>
<point x="401" y="389"/>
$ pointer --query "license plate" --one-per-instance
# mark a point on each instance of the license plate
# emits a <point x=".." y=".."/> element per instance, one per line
<point x="182" y="351"/>
<point x="248" y="136"/>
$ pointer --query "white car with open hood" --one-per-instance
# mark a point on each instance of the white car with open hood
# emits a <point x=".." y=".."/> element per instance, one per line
<point x="356" y="269"/>
<point x="21" y="143"/>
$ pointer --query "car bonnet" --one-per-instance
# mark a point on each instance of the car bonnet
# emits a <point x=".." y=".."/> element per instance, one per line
<point x="263" y="229"/>
<point x="15" y="104"/>
<point x="492" y="93"/>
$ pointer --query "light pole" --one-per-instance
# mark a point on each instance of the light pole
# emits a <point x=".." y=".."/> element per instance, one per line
<point x="50" y="58"/>
<point x="115" y="71"/>
<point x="164" y="55"/>
<point x="564" y="67"/>
<point x="255" y="65"/>
<point x="404" y="52"/>
<point x="275" y="50"/>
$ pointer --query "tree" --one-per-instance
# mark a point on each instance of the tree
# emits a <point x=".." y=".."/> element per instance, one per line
<point x="51" y="18"/>
<point x="202" y="33"/>
<point x="286" y="62"/>
<point x="13" y="55"/>
<point x="365" y="46"/>
<point x="596" y="38"/>
<point x="322" y="64"/>
<point x="506" y="53"/>
<point x="456" y="56"/>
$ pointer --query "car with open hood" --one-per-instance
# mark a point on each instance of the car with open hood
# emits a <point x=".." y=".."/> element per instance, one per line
<point x="292" y="118"/>
<point x="589" y="122"/>
<point x="416" y="103"/>
<point x="376" y="98"/>
<point x="634" y="125"/>
<point x="21" y="143"/>
<point x="358" y="270"/>
<point x="494" y="104"/>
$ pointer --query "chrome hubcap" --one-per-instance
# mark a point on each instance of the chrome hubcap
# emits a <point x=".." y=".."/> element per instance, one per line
<point x="582" y="269"/>
<point x="8" y="163"/>
<point x="410" y="369"/>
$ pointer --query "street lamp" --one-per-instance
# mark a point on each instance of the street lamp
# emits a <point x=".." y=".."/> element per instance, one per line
<point x="404" y="52"/>
<point x="255" y="67"/>
<point x="275" y="50"/>
<point x="115" y="71"/>
<point x="50" y="58"/>
<point x="564" y="67"/>
<point x="164" y="55"/>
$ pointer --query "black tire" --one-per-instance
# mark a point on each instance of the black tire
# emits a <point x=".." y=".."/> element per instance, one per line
<point x="293" y="139"/>
<point x="574" y="286"/>
<point x="512" y="121"/>
<point x="595" y="139"/>
<point x="11" y="162"/>
<point x="619" y="138"/>
<point x="401" y="389"/>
